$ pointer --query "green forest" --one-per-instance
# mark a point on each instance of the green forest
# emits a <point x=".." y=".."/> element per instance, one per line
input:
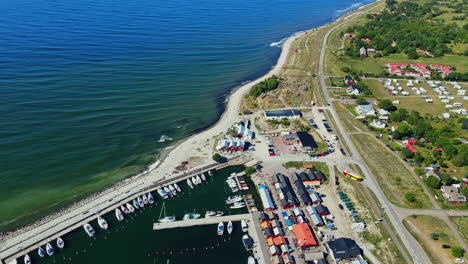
<point x="404" y="27"/>
<point x="264" y="86"/>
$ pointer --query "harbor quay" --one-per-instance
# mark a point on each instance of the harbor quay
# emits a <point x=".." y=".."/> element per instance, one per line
<point x="200" y="221"/>
<point x="29" y="240"/>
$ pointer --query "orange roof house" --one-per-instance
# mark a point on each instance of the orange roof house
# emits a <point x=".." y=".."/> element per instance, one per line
<point x="304" y="236"/>
<point x="279" y="240"/>
<point x="270" y="241"/>
<point x="266" y="225"/>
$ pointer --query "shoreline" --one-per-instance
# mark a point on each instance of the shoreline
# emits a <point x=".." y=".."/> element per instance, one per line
<point x="180" y="149"/>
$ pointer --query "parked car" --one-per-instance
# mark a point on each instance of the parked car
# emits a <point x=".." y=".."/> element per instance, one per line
<point x="446" y="246"/>
<point x="320" y="110"/>
<point x="341" y="206"/>
<point x="342" y="151"/>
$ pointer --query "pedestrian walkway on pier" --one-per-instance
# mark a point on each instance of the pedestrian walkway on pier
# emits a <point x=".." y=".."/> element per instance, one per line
<point x="201" y="221"/>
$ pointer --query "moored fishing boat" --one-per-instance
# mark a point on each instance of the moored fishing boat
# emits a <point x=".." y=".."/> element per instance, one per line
<point x="167" y="219"/>
<point x="60" y="243"/>
<point x="209" y="214"/>
<point x="135" y="203"/>
<point x="102" y="223"/>
<point x="229" y="227"/>
<point x="163" y="194"/>
<point x="172" y="189"/>
<point x="118" y="214"/>
<point x="203" y="177"/>
<point x="177" y="187"/>
<point x="199" y="181"/>
<point x="49" y="249"/>
<point x="41" y="252"/>
<point x="248" y="242"/>
<point x="130" y="207"/>
<point x="234" y="199"/>
<point x="89" y="229"/>
<point x="220" y="229"/>
<point x="168" y="191"/>
<point x="191" y="216"/>
<point x="124" y="209"/>
<point x="145" y="199"/>
<point x="140" y="202"/>
<point x="244" y="225"/>
<point x="150" y="198"/>
<point x="27" y="259"/>
<point x="194" y="181"/>
<point x="210" y="173"/>
<point x="189" y="183"/>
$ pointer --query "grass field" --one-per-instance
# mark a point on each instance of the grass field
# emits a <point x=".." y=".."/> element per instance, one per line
<point x="422" y="226"/>
<point x="394" y="179"/>
<point x="461" y="223"/>
<point x="384" y="249"/>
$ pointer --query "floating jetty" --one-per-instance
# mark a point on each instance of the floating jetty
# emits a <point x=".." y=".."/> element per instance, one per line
<point x="28" y="241"/>
<point x="200" y="221"/>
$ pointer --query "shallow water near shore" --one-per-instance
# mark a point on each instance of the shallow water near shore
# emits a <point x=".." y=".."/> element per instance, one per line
<point x="90" y="88"/>
<point x="134" y="241"/>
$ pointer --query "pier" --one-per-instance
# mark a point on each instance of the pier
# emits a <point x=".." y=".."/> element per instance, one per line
<point x="201" y="221"/>
<point x="76" y="217"/>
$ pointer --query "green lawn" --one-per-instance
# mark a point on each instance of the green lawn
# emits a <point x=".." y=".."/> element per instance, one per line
<point x="394" y="179"/>
<point x="461" y="223"/>
<point x="350" y="123"/>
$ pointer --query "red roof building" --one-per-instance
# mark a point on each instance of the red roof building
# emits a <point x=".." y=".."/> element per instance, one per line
<point x="304" y="236"/>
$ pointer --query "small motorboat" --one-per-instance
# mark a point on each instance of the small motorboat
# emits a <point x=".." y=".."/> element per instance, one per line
<point x="234" y="199"/>
<point x="163" y="194"/>
<point x="191" y="216"/>
<point x="41" y="252"/>
<point x="203" y="177"/>
<point x="199" y="181"/>
<point x="102" y="223"/>
<point x="168" y="191"/>
<point x="60" y="243"/>
<point x="27" y="259"/>
<point x="177" y="187"/>
<point x="140" y="202"/>
<point x="220" y="229"/>
<point x="150" y="198"/>
<point x="189" y="183"/>
<point x="124" y="209"/>
<point x="251" y="260"/>
<point x="89" y="229"/>
<point x="210" y="214"/>
<point x="237" y="205"/>
<point x="49" y="249"/>
<point x="118" y="214"/>
<point x="135" y="204"/>
<point x="210" y="173"/>
<point x="194" y="181"/>
<point x="229" y="227"/>
<point x="248" y="242"/>
<point x="167" y="219"/>
<point x="130" y="207"/>
<point x="145" y="199"/>
<point x="244" y="225"/>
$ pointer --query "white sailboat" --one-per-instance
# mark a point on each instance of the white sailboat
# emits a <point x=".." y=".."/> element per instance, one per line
<point x="49" y="249"/>
<point x="244" y="225"/>
<point x="220" y="229"/>
<point x="234" y="199"/>
<point x="229" y="227"/>
<point x="124" y="209"/>
<point x="203" y="177"/>
<point x="177" y="187"/>
<point x="172" y="189"/>
<point x="150" y="198"/>
<point x="194" y="181"/>
<point x="199" y="181"/>
<point x="27" y="259"/>
<point x="165" y="219"/>
<point x="191" y="216"/>
<point x="41" y="252"/>
<point x="130" y="207"/>
<point x="89" y="229"/>
<point x="163" y="194"/>
<point x="251" y="260"/>
<point x="189" y="183"/>
<point x="102" y="223"/>
<point x="168" y="191"/>
<point x="237" y="205"/>
<point x="210" y="173"/>
<point x="145" y="199"/>
<point x="118" y="214"/>
<point x="60" y="243"/>
<point x="140" y="202"/>
<point x="135" y="203"/>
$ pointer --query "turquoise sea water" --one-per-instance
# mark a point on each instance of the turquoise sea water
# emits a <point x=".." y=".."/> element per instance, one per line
<point x="89" y="87"/>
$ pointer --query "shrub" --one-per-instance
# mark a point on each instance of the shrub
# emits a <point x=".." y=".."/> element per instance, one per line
<point x="217" y="157"/>
<point x="410" y="197"/>
<point x="458" y="252"/>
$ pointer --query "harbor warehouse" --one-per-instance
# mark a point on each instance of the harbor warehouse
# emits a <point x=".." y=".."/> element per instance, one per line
<point x="282" y="114"/>
<point x="307" y="141"/>
<point x="266" y="198"/>
<point x="304" y="236"/>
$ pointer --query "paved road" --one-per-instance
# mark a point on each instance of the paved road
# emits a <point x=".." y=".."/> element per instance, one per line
<point x="417" y="253"/>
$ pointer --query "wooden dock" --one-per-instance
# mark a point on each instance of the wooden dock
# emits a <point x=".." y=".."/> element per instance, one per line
<point x="201" y="221"/>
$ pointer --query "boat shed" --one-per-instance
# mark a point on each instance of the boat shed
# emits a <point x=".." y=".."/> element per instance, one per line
<point x="294" y="177"/>
<point x="264" y="217"/>
<point x="274" y="250"/>
<point x="285" y="192"/>
<point x="265" y="196"/>
<point x="304" y="236"/>
<point x="288" y="259"/>
<point x="269" y="232"/>
<point x="317" y="220"/>
<point x="298" y="212"/>
<point x="320" y="176"/>
<point x="303" y="176"/>
<point x="322" y="210"/>
<point x="303" y="193"/>
<point x="315" y="198"/>
<point x="307" y="141"/>
<point x="311" y="175"/>
<point x="282" y="114"/>
<point x="277" y="259"/>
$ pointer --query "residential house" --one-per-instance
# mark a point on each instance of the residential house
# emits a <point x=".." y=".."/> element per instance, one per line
<point x="349" y="80"/>
<point x="365" y="110"/>
<point x="435" y="173"/>
<point x="452" y="193"/>
<point x="411" y="148"/>
<point x="304" y="236"/>
<point x="363" y="52"/>
<point x="342" y="249"/>
<point x="354" y="90"/>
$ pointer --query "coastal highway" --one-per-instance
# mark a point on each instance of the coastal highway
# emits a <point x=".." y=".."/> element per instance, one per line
<point x="415" y="250"/>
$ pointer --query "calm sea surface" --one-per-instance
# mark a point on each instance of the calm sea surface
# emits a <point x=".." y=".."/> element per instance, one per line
<point x="89" y="87"/>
